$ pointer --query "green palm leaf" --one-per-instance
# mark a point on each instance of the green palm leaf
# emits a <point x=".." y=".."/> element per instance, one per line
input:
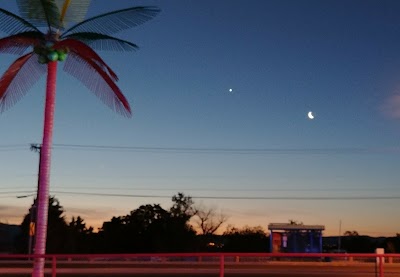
<point x="13" y="24"/>
<point x="42" y="13"/>
<point x="116" y="21"/>
<point x="103" y="42"/>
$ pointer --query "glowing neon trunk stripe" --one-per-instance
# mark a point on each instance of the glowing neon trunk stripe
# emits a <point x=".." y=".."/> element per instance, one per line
<point x="45" y="159"/>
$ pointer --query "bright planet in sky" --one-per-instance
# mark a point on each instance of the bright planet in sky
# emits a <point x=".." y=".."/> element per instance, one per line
<point x="310" y="115"/>
<point x="230" y="90"/>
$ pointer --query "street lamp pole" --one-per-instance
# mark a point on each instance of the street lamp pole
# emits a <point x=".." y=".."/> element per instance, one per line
<point x="33" y="213"/>
<point x="31" y="227"/>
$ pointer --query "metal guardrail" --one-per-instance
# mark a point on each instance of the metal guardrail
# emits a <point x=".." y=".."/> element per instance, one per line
<point x="380" y="260"/>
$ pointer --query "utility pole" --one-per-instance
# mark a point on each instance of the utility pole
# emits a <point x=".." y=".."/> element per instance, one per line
<point x="340" y="236"/>
<point x="33" y="211"/>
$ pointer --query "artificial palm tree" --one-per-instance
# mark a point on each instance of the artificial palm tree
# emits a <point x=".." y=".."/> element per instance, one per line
<point x="75" y="46"/>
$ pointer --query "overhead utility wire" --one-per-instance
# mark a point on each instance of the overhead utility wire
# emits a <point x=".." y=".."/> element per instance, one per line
<point x="340" y="150"/>
<point x="12" y="145"/>
<point x="15" y="192"/>
<point x="392" y="197"/>
<point x="213" y="150"/>
<point x="79" y="188"/>
<point x="214" y="189"/>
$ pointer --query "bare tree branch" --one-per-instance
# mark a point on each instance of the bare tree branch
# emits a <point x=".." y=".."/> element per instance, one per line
<point x="208" y="220"/>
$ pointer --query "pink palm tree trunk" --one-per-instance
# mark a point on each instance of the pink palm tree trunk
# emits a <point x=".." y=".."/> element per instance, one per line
<point x="45" y="159"/>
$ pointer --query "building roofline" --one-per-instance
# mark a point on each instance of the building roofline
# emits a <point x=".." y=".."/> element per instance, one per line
<point x="287" y="226"/>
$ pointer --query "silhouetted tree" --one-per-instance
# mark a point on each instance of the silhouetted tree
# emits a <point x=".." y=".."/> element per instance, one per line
<point x="112" y="236"/>
<point x="150" y="228"/>
<point x="353" y="242"/>
<point x="180" y="232"/>
<point x="247" y="239"/>
<point x="80" y="238"/>
<point x="148" y="224"/>
<point x="182" y="207"/>
<point x="56" y="233"/>
<point x="392" y="244"/>
<point x="351" y="233"/>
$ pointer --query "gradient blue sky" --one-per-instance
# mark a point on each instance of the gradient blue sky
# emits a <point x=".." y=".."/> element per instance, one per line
<point x="339" y="59"/>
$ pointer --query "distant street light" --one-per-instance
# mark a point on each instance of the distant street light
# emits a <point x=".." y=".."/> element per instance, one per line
<point x="25" y="196"/>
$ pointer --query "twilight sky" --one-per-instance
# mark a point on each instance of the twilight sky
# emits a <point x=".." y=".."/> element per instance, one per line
<point x="189" y="133"/>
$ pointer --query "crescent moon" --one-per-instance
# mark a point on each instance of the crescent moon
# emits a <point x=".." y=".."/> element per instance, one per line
<point x="310" y="115"/>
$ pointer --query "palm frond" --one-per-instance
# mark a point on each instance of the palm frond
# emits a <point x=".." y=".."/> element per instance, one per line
<point x="82" y="49"/>
<point x="73" y="10"/>
<point x="103" y="42"/>
<point x="98" y="81"/>
<point x="19" y="43"/>
<point x="12" y="24"/>
<point x="18" y="79"/>
<point x="116" y="21"/>
<point x="42" y="13"/>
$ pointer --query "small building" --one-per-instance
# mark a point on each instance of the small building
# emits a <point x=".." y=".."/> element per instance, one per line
<point x="295" y="238"/>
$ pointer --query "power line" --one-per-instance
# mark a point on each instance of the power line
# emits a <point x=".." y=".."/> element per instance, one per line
<point x="213" y="150"/>
<point x="15" y="192"/>
<point x="12" y="145"/>
<point x="238" y="189"/>
<point x="392" y="197"/>
<point x="215" y="189"/>
<point x="340" y="150"/>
